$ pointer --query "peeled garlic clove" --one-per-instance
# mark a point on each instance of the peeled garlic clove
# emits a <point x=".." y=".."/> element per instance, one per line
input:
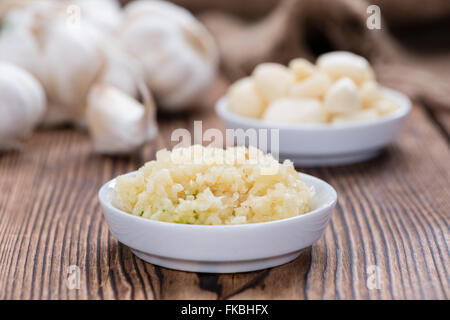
<point x="22" y="104"/>
<point x="290" y="110"/>
<point x="314" y="86"/>
<point x="73" y="63"/>
<point x="273" y="80"/>
<point x="342" y="97"/>
<point x="358" y="116"/>
<point x="104" y="14"/>
<point x="369" y="93"/>
<point x="345" y="64"/>
<point x="243" y="99"/>
<point x="178" y="54"/>
<point x="118" y="123"/>
<point x="385" y="106"/>
<point x="302" y="68"/>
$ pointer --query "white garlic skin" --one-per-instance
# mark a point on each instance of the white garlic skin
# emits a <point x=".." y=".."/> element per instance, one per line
<point x="104" y="14"/>
<point x="178" y="54"/>
<point x="244" y="99"/>
<point x="74" y="62"/>
<point x="345" y="64"/>
<point x="288" y="110"/>
<point x="22" y="104"/>
<point x="273" y="80"/>
<point x="342" y="97"/>
<point x="19" y="43"/>
<point x="121" y="69"/>
<point x="118" y="123"/>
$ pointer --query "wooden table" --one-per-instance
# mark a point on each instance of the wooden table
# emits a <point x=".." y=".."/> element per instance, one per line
<point x="392" y="219"/>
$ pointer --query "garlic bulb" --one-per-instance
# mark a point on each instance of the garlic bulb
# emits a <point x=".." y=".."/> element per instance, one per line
<point x="342" y="97"/>
<point x="104" y="14"/>
<point x="118" y="123"/>
<point x="243" y="99"/>
<point x="121" y="69"/>
<point x="19" y="40"/>
<point x="288" y="110"/>
<point x="178" y="54"/>
<point x="74" y="62"/>
<point x="273" y="80"/>
<point x="22" y="103"/>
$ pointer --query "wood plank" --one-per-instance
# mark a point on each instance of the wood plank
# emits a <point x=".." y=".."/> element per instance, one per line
<point x="393" y="213"/>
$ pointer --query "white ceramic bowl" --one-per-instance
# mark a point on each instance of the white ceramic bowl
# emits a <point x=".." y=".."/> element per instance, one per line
<point x="220" y="249"/>
<point x="326" y="144"/>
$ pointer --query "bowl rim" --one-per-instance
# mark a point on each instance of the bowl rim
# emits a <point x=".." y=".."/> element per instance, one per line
<point x="403" y="100"/>
<point x="247" y="226"/>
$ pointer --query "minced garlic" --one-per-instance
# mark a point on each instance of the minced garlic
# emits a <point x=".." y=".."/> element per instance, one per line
<point x="212" y="186"/>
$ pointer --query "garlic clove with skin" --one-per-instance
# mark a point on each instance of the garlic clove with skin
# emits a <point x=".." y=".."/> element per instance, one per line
<point x="118" y="123"/>
<point x="22" y="104"/>
<point x="178" y="54"/>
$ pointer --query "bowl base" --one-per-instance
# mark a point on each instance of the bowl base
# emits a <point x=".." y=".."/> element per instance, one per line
<point x="331" y="160"/>
<point x="219" y="266"/>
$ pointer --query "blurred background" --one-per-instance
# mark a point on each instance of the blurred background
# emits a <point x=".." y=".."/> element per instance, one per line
<point x="187" y="58"/>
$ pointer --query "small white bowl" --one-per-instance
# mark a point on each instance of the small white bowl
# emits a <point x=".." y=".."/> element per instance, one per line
<point x="221" y="248"/>
<point x="327" y="144"/>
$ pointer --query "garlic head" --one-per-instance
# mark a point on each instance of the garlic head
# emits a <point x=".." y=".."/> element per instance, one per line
<point x="178" y="54"/>
<point x="22" y="104"/>
<point x="121" y="69"/>
<point x="104" y="14"/>
<point x="73" y="63"/>
<point x="19" y="34"/>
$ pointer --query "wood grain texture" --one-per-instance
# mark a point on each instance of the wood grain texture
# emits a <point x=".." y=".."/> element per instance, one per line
<point x="393" y="213"/>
